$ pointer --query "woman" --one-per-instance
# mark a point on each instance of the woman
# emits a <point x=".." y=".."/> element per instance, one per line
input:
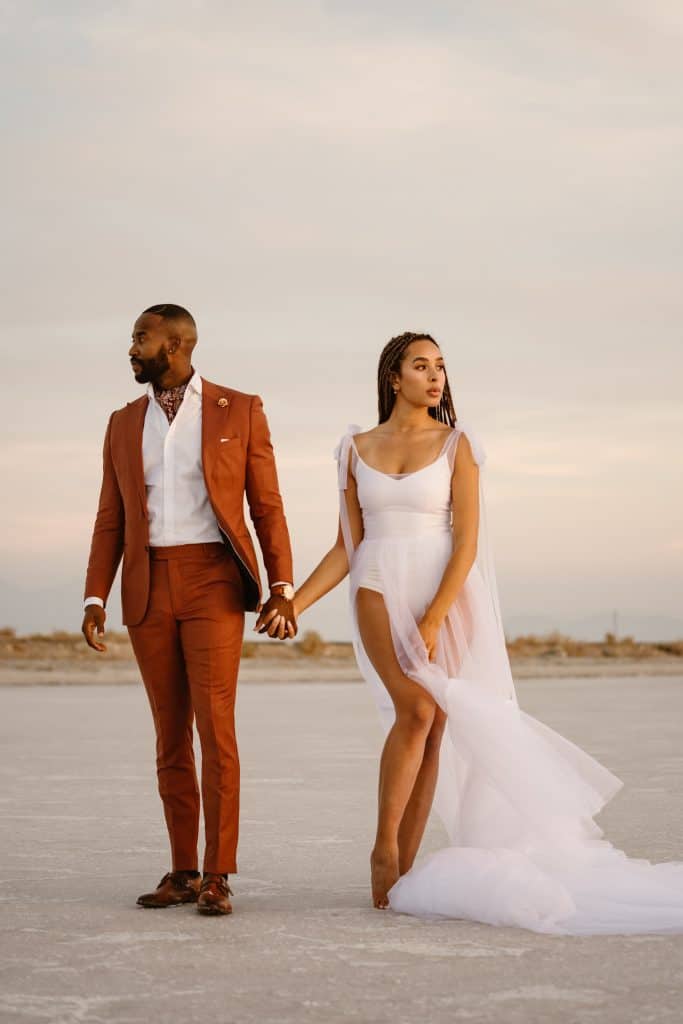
<point x="517" y="799"/>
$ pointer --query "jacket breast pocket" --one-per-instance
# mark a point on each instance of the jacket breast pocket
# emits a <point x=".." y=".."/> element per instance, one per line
<point x="229" y="457"/>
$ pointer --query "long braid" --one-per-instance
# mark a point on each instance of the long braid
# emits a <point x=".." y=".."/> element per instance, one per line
<point x="390" y="362"/>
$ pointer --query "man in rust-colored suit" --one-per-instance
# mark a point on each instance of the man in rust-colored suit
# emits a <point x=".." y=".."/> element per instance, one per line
<point x="177" y="465"/>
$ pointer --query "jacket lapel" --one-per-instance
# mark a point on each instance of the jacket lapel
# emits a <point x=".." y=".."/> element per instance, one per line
<point x="136" y="423"/>
<point x="215" y="407"/>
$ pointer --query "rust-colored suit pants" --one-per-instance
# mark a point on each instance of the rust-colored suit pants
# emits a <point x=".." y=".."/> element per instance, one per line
<point x="188" y="648"/>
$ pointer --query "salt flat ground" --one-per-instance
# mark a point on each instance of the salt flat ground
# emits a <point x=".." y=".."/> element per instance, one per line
<point x="82" y="835"/>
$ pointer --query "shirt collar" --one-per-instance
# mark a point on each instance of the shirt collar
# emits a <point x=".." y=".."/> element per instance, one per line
<point x="193" y="384"/>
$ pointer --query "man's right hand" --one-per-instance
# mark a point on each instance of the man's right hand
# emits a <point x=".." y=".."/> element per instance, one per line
<point x="93" y="626"/>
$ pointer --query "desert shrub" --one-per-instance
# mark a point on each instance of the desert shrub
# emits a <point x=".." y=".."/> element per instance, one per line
<point x="63" y="640"/>
<point x="311" y="643"/>
<point x="675" y="648"/>
<point x="555" y="638"/>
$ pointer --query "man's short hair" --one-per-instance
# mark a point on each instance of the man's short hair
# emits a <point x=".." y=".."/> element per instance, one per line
<point x="169" y="311"/>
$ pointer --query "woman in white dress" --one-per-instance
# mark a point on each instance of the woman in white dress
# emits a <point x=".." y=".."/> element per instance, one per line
<point x="517" y="799"/>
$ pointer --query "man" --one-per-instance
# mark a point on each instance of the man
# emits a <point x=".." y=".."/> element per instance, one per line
<point x="177" y="464"/>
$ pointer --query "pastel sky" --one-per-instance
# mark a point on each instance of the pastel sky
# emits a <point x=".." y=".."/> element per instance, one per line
<point x="310" y="178"/>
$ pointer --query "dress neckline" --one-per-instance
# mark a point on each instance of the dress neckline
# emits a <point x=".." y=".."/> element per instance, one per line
<point x="413" y="472"/>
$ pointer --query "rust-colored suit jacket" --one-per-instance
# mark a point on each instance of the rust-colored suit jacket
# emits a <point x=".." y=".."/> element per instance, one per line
<point x="244" y="465"/>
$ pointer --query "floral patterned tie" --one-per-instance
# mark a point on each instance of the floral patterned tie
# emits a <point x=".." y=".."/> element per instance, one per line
<point x="170" y="400"/>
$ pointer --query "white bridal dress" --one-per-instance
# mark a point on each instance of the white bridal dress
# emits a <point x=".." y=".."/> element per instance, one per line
<point x="517" y="799"/>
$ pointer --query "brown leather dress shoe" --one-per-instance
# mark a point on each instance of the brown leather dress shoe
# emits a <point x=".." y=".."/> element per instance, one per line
<point x="175" y="887"/>
<point x="214" y="895"/>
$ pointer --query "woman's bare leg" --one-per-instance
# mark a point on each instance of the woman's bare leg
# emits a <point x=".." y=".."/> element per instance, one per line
<point x="415" y="816"/>
<point x="404" y="746"/>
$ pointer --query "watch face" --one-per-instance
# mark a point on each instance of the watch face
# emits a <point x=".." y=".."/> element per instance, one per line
<point x="285" y="590"/>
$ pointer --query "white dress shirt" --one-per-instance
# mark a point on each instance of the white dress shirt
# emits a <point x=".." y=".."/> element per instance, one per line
<point x="178" y="505"/>
<point x="177" y="501"/>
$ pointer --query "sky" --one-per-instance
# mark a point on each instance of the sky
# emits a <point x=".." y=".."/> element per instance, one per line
<point x="311" y="178"/>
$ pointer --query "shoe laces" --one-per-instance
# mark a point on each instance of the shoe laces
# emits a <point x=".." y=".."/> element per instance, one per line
<point x="216" y="882"/>
<point x="179" y="878"/>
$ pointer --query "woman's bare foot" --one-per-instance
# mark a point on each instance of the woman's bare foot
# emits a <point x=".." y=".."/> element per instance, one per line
<point x="383" y="874"/>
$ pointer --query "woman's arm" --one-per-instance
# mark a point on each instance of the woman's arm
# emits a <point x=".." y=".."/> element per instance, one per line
<point x="465" y="504"/>
<point x="330" y="571"/>
<point x="334" y="566"/>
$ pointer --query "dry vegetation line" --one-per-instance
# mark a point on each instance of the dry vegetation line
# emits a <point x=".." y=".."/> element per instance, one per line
<point x="62" y="657"/>
<point x="63" y="646"/>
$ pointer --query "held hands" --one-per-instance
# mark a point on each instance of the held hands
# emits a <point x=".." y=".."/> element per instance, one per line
<point x="93" y="626"/>
<point x="429" y="631"/>
<point x="277" y="618"/>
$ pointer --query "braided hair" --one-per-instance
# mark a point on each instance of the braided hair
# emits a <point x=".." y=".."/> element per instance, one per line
<point x="390" y="363"/>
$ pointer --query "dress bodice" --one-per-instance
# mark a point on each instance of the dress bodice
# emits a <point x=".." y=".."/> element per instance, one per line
<point x="406" y="504"/>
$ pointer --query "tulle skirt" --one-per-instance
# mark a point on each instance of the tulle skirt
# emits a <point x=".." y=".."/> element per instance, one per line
<point x="517" y="799"/>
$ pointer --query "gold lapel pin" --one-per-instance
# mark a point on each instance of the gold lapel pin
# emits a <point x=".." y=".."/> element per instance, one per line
<point x="222" y="402"/>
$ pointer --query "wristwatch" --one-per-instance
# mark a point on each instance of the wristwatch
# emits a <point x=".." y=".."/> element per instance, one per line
<point x="285" y="590"/>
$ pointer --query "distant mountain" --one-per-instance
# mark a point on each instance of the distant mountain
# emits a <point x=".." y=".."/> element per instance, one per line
<point x="641" y="626"/>
<point x="57" y="605"/>
<point x="54" y="605"/>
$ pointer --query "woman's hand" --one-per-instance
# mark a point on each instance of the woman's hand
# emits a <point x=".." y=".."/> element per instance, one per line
<point x="429" y="631"/>
<point x="277" y="618"/>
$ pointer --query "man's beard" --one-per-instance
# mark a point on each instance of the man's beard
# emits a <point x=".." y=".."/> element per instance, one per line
<point x="152" y="369"/>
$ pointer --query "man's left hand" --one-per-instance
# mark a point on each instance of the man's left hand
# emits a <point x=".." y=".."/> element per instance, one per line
<point x="277" y="618"/>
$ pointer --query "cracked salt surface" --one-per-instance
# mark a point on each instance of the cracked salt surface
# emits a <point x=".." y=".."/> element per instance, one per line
<point x="550" y="993"/>
<point x="303" y="946"/>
